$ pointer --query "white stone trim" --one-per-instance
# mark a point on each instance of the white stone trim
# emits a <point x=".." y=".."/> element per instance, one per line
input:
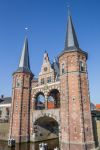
<point x="5" y="105"/>
<point x="48" y="84"/>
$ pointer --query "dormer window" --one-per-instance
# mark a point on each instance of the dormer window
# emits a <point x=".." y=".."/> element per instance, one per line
<point x="63" y="66"/>
<point x="42" y="81"/>
<point x="82" y="66"/>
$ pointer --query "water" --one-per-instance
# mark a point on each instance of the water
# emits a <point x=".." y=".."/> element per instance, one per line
<point x="30" y="146"/>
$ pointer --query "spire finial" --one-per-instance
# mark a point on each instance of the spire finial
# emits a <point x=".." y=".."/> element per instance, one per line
<point x="71" y="38"/>
<point x="45" y="51"/>
<point x="24" y="64"/>
<point x="26" y="30"/>
<point x="68" y="7"/>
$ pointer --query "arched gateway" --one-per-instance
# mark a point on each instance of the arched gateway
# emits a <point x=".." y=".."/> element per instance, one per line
<point x="58" y="98"/>
<point x="45" y="124"/>
<point x="45" y="128"/>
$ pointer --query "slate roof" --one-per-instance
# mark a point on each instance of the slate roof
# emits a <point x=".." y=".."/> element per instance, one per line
<point x="71" y="41"/>
<point x="6" y="100"/>
<point x="24" y="64"/>
<point x="55" y="66"/>
<point x="92" y="106"/>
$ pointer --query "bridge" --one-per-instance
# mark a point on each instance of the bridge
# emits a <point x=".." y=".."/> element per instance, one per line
<point x="45" y="124"/>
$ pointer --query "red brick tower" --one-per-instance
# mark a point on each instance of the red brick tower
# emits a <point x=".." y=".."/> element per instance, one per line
<point x="75" y="113"/>
<point x="20" y="113"/>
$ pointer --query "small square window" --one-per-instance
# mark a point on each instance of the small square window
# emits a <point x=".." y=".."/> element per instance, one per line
<point x="82" y="66"/>
<point x="48" y="79"/>
<point x="63" y="71"/>
<point x="42" y="81"/>
<point x="18" y="83"/>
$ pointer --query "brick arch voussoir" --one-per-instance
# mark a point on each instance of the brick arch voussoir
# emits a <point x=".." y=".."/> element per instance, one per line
<point x="46" y="115"/>
<point x="53" y="88"/>
<point x="37" y="92"/>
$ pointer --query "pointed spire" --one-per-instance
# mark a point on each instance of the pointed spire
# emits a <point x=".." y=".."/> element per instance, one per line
<point x="24" y="65"/>
<point x="46" y="57"/>
<point x="71" y="38"/>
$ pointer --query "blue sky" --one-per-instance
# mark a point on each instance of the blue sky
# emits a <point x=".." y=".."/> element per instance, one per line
<point x="47" y="20"/>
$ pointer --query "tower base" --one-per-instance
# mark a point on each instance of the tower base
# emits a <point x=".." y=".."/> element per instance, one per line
<point x="78" y="146"/>
<point x="21" y="139"/>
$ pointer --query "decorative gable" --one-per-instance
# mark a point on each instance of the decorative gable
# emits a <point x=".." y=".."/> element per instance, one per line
<point x="47" y="73"/>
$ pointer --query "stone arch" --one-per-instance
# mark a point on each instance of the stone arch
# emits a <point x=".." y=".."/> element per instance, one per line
<point x="45" y="127"/>
<point x="49" y="114"/>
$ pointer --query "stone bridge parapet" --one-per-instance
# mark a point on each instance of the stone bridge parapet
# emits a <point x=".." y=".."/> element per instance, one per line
<point x="53" y="113"/>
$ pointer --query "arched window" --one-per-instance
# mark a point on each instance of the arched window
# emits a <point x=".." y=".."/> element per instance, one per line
<point x="54" y="99"/>
<point x="40" y="102"/>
